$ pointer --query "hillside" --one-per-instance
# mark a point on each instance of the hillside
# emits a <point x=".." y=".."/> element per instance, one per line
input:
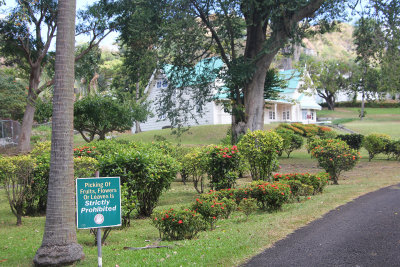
<point x="333" y="45"/>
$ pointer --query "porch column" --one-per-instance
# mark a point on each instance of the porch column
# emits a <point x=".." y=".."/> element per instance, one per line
<point x="276" y="111"/>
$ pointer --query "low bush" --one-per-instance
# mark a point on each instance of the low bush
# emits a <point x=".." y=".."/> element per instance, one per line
<point x="85" y="167"/>
<point x="178" y="224"/>
<point x="195" y="164"/>
<point x="375" y="144"/>
<point x="334" y="156"/>
<point x="392" y="149"/>
<point x="222" y="165"/>
<point x="317" y="182"/>
<point x="213" y="209"/>
<point x="146" y="172"/>
<point x="353" y="140"/>
<point x="248" y="206"/>
<point x="290" y="142"/>
<point x="261" y="150"/>
<point x="16" y="173"/>
<point x="269" y="196"/>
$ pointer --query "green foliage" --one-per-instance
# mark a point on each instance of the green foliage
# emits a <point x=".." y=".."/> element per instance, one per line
<point x="16" y="175"/>
<point x="334" y="156"/>
<point x="44" y="110"/>
<point x="146" y="172"/>
<point x="327" y="78"/>
<point x="303" y="184"/>
<point x="195" y="166"/>
<point x="353" y="140"/>
<point x="98" y="115"/>
<point x="269" y="196"/>
<point x="392" y="149"/>
<point x="128" y="204"/>
<point x="85" y="167"/>
<point x="290" y="142"/>
<point x="12" y="92"/>
<point x="222" y="166"/>
<point x="248" y="206"/>
<point x="261" y="149"/>
<point x="375" y="144"/>
<point x="178" y="224"/>
<point x="213" y="209"/>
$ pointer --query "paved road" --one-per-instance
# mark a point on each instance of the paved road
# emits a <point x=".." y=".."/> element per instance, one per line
<point x="364" y="232"/>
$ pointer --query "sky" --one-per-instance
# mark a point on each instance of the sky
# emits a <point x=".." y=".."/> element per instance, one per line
<point x="108" y="42"/>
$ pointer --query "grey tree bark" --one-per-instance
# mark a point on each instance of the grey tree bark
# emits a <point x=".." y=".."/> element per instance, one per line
<point x="59" y="245"/>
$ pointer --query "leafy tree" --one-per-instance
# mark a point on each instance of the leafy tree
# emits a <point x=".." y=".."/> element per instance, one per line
<point x="12" y="92"/>
<point x="139" y="40"/>
<point x="86" y="69"/>
<point x="26" y="35"/>
<point x="327" y="78"/>
<point x="246" y="36"/>
<point x="59" y="246"/>
<point x="387" y="15"/>
<point x="98" y="115"/>
<point x="368" y="38"/>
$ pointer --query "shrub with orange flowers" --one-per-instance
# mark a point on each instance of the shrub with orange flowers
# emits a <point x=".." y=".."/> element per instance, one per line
<point x="334" y="156"/>
<point x="269" y="196"/>
<point x="213" y="208"/>
<point x="222" y="166"/>
<point x="85" y="151"/>
<point x="178" y="224"/>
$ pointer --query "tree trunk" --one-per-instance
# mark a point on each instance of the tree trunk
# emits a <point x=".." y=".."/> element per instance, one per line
<point x="254" y="101"/>
<point x="59" y="245"/>
<point x="330" y="102"/>
<point x="24" y="142"/>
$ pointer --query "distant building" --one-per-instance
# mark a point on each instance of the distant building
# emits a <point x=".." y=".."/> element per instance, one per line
<point x="292" y="106"/>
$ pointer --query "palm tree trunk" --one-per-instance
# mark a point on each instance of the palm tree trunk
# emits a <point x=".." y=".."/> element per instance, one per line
<point x="59" y="245"/>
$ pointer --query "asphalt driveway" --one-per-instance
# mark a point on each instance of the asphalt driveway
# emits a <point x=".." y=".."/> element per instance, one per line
<point x="364" y="232"/>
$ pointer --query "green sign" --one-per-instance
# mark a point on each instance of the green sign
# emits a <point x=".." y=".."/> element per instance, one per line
<point x="98" y="202"/>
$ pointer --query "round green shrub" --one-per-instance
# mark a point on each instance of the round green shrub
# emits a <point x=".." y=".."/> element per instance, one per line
<point x="261" y="150"/>
<point x="178" y="224"/>
<point x="334" y="156"/>
<point x="147" y="173"/>
<point x="222" y="165"/>
<point x="375" y="144"/>
<point x="353" y="140"/>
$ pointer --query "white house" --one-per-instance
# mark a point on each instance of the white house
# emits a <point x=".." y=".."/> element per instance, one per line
<point x="292" y="105"/>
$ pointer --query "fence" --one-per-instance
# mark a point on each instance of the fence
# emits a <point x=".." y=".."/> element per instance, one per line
<point x="9" y="132"/>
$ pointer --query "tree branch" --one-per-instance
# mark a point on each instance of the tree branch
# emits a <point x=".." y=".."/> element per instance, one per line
<point x="213" y="32"/>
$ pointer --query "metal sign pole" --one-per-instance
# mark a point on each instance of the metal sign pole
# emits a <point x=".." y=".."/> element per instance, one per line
<point x="99" y="256"/>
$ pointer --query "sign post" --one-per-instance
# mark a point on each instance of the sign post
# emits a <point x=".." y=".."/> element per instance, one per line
<point x="98" y="204"/>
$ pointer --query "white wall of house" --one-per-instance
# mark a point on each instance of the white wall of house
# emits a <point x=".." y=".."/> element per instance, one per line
<point x="276" y="111"/>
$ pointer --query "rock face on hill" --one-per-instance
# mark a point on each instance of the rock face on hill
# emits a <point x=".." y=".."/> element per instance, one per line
<point x="334" y="45"/>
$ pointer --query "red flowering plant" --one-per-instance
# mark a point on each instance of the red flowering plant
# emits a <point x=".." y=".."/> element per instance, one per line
<point x="85" y="151"/>
<point x="222" y="166"/>
<point x="178" y="224"/>
<point x="269" y="196"/>
<point x="334" y="156"/>
<point x="213" y="208"/>
<point x="317" y="182"/>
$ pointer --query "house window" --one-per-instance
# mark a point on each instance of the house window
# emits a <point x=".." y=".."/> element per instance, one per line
<point x="165" y="83"/>
<point x="312" y="115"/>
<point x="159" y="84"/>
<point x="272" y="115"/>
<point x="304" y="114"/>
<point x="286" y="115"/>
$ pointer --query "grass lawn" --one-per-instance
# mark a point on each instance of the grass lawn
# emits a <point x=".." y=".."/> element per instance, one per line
<point x="234" y="240"/>
<point x="378" y="120"/>
<point x="232" y="243"/>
